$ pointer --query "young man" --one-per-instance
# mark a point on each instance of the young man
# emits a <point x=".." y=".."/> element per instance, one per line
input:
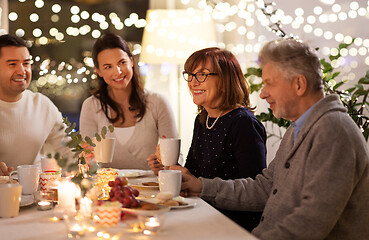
<point x="27" y="120"/>
<point x="317" y="185"/>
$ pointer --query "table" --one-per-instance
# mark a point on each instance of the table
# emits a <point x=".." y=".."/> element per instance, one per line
<point x="199" y="222"/>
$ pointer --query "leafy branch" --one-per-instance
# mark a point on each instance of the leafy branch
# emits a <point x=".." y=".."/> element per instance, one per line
<point x="80" y="147"/>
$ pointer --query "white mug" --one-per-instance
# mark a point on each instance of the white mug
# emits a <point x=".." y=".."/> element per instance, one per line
<point x="49" y="165"/>
<point x="28" y="177"/>
<point x="169" y="151"/>
<point x="170" y="181"/>
<point x="104" y="150"/>
<point x="10" y="196"/>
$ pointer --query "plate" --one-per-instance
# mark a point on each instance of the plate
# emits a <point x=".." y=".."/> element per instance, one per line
<point x="146" y="213"/>
<point x="26" y="200"/>
<point x="139" y="183"/>
<point x="133" y="173"/>
<point x="190" y="203"/>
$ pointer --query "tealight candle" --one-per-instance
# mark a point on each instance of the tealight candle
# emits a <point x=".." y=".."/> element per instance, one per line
<point x="75" y="230"/>
<point x="44" y="205"/>
<point x="152" y="225"/>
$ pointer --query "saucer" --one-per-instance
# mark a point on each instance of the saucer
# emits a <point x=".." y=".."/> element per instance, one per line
<point x="26" y="200"/>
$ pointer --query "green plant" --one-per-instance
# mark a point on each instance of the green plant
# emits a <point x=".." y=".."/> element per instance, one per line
<point x="354" y="98"/>
<point x="80" y="147"/>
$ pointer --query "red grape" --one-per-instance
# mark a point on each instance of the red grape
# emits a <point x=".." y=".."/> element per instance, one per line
<point x="136" y="192"/>
<point x="123" y="193"/>
<point x="135" y="203"/>
<point x="127" y="191"/>
<point x="118" y="193"/>
<point x="118" y="181"/>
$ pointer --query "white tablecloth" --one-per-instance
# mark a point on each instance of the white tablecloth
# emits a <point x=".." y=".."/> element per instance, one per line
<point x="199" y="222"/>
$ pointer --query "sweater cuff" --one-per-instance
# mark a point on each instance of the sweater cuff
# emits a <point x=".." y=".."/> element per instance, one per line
<point x="209" y="189"/>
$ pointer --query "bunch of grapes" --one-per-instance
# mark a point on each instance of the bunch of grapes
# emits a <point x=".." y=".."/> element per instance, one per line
<point x="122" y="193"/>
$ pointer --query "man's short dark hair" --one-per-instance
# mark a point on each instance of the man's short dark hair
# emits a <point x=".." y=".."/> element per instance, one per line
<point x="7" y="40"/>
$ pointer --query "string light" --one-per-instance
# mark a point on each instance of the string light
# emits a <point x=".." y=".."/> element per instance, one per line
<point x="251" y="11"/>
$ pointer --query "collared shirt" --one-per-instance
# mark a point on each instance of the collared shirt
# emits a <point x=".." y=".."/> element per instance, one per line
<point x="297" y="125"/>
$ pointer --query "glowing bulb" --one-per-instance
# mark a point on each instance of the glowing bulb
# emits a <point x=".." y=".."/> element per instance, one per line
<point x="34" y="17"/>
<point x="19" y="32"/>
<point x="37" y="32"/>
<point x="13" y="16"/>
<point x="39" y="3"/>
<point x="56" y="8"/>
<point x="74" y="9"/>
<point x="318" y="10"/>
<point x="85" y="15"/>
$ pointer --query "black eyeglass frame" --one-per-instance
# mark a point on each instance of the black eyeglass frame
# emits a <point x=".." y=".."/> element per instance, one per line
<point x="195" y="75"/>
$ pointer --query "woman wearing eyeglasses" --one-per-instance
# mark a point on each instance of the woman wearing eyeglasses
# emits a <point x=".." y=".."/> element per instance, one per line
<point x="228" y="141"/>
<point x="138" y="115"/>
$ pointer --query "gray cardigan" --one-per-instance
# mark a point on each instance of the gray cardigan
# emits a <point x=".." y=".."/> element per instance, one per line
<point x="317" y="188"/>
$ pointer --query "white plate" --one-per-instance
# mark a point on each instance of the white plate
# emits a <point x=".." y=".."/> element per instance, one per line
<point x="133" y="172"/>
<point x="27" y="200"/>
<point x="190" y="203"/>
<point x="138" y="183"/>
<point x="146" y="213"/>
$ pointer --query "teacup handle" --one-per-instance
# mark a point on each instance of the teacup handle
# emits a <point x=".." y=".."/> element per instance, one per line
<point x="10" y="176"/>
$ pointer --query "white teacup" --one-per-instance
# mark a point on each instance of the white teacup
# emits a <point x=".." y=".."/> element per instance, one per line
<point x="28" y="177"/>
<point x="169" y="151"/>
<point x="104" y="150"/>
<point x="170" y="181"/>
<point x="10" y="196"/>
<point x="49" y="165"/>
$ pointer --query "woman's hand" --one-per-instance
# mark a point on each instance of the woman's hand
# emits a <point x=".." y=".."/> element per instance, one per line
<point x="5" y="170"/>
<point x="154" y="161"/>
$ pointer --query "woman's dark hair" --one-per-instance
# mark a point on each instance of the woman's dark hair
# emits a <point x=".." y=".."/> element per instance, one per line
<point x="137" y="99"/>
<point x="232" y="86"/>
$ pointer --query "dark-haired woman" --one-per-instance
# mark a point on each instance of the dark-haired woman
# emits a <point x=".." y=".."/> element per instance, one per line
<point x="138" y="115"/>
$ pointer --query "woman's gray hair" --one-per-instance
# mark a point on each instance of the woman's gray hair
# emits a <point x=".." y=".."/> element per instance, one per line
<point x="294" y="58"/>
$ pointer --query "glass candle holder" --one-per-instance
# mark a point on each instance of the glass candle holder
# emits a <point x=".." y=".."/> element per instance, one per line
<point x="44" y="200"/>
<point x="76" y="227"/>
<point x="104" y="175"/>
<point x="152" y="224"/>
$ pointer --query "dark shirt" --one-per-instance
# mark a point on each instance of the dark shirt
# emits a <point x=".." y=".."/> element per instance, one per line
<point x="233" y="148"/>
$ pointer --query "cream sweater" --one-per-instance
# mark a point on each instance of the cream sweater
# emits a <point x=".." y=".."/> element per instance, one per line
<point x="158" y="121"/>
<point x="26" y="125"/>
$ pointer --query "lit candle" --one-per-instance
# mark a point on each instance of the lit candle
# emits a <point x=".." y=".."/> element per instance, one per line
<point x="152" y="225"/>
<point x="66" y="195"/>
<point x="86" y="207"/>
<point x="75" y="230"/>
<point x="44" y="205"/>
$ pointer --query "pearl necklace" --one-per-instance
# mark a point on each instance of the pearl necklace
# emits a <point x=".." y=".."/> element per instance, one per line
<point x="207" y="120"/>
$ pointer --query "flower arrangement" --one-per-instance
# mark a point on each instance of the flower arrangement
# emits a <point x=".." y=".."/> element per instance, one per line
<point x="81" y="169"/>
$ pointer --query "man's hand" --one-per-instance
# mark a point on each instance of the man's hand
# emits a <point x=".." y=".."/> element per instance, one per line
<point x="5" y="170"/>
<point x="180" y="168"/>
<point x="191" y="185"/>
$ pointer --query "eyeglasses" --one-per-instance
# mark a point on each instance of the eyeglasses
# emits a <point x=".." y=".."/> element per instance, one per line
<point x="200" y="76"/>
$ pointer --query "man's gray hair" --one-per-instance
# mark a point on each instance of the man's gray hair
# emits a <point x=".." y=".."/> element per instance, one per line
<point x="294" y="58"/>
